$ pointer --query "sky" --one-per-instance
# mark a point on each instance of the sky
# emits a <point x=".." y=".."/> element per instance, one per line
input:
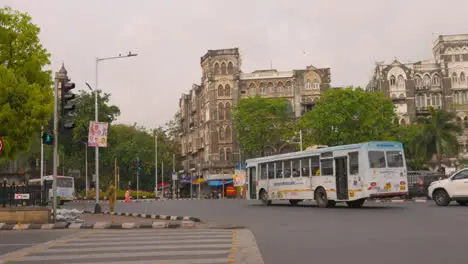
<point x="171" y="36"/>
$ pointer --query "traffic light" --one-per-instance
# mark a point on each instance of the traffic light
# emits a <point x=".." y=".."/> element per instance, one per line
<point x="47" y="138"/>
<point x="68" y="106"/>
<point x="137" y="164"/>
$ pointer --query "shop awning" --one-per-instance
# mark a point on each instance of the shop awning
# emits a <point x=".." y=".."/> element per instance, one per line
<point x="198" y="181"/>
<point x="218" y="183"/>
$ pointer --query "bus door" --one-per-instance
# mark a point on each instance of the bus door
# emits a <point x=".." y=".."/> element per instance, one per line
<point x="252" y="183"/>
<point x="341" y="175"/>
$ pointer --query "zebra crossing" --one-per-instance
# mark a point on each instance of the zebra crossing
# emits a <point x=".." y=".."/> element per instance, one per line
<point x="136" y="246"/>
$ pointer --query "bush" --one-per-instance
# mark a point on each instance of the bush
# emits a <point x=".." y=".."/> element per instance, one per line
<point x="120" y="194"/>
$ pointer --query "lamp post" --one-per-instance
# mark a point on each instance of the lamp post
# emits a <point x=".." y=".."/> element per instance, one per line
<point x="97" y="207"/>
<point x="86" y="167"/>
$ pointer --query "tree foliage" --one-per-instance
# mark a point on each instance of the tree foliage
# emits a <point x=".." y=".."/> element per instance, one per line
<point x="438" y="134"/>
<point x="26" y="99"/>
<point x="261" y="123"/>
<point x="350" y="115"/>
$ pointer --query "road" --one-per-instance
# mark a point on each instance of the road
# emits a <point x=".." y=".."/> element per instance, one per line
<point x="379" y="232"/>
<point x="12" y="241"/>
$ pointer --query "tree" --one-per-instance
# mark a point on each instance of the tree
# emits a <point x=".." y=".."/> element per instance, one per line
<point x="415" y="153"/>
<point x="438" y="134"/>
<point x="26" y="99"/>
<point x="261" y="123"/>
<point x="349" y="115"/>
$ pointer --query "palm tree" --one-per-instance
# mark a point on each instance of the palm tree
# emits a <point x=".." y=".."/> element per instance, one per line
<point x="438" y="134"/>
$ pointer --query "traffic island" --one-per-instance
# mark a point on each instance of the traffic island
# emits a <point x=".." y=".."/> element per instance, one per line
<point x="25" y="215"/>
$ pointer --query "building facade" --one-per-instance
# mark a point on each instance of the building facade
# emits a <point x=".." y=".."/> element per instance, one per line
<point x="208" y="145"/>
<point x="439" y="82"/>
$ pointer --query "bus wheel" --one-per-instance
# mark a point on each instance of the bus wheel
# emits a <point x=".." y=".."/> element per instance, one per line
<point x="294" y="202"/>
<point x="356" y="203"/>
<point x="264" y="198"/>
<point x="321" y="199"/>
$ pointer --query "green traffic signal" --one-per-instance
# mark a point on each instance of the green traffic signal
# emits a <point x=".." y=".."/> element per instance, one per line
<point x="47" y="138"/>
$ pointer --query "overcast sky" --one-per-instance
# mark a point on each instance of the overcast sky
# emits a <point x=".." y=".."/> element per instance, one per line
<point x="171" y="36"/>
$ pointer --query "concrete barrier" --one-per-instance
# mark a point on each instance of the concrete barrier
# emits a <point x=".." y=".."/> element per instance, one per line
<point x="26" y="215"/>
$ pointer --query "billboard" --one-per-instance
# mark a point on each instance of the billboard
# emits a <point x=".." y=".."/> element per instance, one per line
<point x="97" y="136"/>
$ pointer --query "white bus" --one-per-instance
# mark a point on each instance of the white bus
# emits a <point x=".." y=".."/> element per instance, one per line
<point x="65" y="187"/>
<point x="350" y="173"/>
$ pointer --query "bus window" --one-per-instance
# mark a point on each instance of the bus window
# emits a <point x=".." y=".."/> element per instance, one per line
<point x="287" y="168"/>
<point x="353" y="163"/>
<point x="279" y="169"/>
<point x="271" y="170"/>
<point x="327" y="167"/>
<point x="263" y="171"/>
<point x="394" y="159"/>
<point x="64" y="182"/>
<point x="315" y="165"/>
<point x="305" y="171"/>
<point x="296" y="167"/>
<point x="377" y="159"/>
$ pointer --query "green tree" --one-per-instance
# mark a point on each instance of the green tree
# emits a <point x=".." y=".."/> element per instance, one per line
<point x="261" y="123"/>
<point x="416" y="153"/>
<point x="349" y="115"/>
<point x="26" y="99"/>
<point x="438" y="134"/>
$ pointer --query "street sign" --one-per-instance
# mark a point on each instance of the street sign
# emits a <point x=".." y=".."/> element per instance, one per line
<point x="2" y="145"/>
<point x="21" y="196"/>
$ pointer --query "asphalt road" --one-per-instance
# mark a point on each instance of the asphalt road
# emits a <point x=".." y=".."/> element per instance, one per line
<point x="378" y="233"/>
<point x="15" y="240"/>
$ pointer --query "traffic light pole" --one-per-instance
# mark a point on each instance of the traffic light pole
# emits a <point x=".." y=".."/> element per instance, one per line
<point x="42" y="157"/>
<point x="54" y="184"/>
<point x="138" y="178"/>
<point x="97" y="207"/>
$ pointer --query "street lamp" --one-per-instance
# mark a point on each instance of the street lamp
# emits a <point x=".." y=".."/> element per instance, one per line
<point x="97" y="207"/>
<point x="86" y="167"/>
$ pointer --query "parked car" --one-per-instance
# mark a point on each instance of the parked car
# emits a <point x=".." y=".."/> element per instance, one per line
<point x="455" y="188"/>
<point x="419" y="181"/>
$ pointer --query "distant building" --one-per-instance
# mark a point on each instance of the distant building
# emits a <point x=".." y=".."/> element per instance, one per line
<point x="439" y="82"/>
<point x="208" y="145"/>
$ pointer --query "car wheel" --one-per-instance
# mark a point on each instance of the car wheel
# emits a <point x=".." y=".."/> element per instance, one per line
<point x="441" y="198"/>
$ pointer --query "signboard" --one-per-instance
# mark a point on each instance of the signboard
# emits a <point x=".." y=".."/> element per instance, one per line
<point x="2" y="145"/>
<point x="21" y="196"/>
<point x="97" y="136"/>
<point x="239" y="178"/>
<point x="174" y="177"/>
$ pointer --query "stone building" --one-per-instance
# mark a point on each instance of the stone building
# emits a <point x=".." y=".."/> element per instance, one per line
<point x="208" y="145"/>
<point x="439" y="82"/>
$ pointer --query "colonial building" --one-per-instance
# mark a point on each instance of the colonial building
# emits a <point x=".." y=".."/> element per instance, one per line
<point x="208" y="145"/>
<point x="439" y="82"/>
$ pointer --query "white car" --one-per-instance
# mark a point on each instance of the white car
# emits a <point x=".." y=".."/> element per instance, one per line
<point x="454" y="188"/>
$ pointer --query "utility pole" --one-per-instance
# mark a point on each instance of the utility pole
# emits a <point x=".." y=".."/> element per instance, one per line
<point x="54" y="183"/>
<point x="115" y="180"/>
<point x="86" y="169"/>
<point x="138" y="178"/>
<point x="162" y="179"/>
<point x="173" y="173"/>
<point x="42" y="157"/>
<point x="156" y="164"/>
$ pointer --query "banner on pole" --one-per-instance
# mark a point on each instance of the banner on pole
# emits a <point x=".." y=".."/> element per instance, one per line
<point x="97" y="136"/>
<point x="239" y="178"/>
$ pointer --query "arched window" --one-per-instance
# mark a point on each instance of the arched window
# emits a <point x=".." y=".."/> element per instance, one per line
<point x="418" y="82"/>
<point x="435" y="79"/>
<point x="426" y="80"/>
<point x="401" y="81"/>
<point x="216" y="68"/>
<point x="228" y="133"/>
<point x="221" y="154"/>
<point x="403" y="122"/>
<point x="462" y="77"/>
<point x="262" y="88"/>
<point x="280" y="87"/>
<point x="288" y="86"/>
<point x="230" y="68"/>
<point x="392" y="80"/>
<point x="220" y="91"/>
<point x="252" y="86"/>
<point x="228" y="111"/>
<point x="454" y="77"/>
<point x="316" y="85"/>
<point x="271" y="87"/>
<point x="223" y="68"/>
<point x="227" y="90"/>
<point x="220" y="111"/>
<point x="228" y="154"/>
<point x="221" y="133"/>
<point x="308" y="85"/>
